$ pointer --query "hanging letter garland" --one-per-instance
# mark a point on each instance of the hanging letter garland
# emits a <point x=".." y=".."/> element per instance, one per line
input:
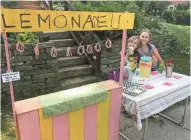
<point x="53" y="52"/>
<point x="20" y="47"/>
<point x="97" y="47"/>
<point x="108" y="44"/>
<point x="36" y="50"/>
<point x="89" y="49"/>
<point x="69" y="51"/>
<point x="81" y="50"/>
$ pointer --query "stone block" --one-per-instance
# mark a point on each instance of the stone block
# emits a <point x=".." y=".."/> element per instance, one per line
<point x="36" y="72"/>
<point x="3" y="60"/>
<point x="103" y="66"/>
<point x="3" y="65"/>
<point x="104" y="61"/>
<point x="113" y="68"/>
<point x="36" y="62"/>
<point x="22" y="84"/>
<point x="104" y="55"/>
<point x="52" y="61"/>
<point x="22" y="74"/>
<point x="26" y="52"/>
<point x="25" y="78"/>
<point x="44" y="57"/>
<point x="114" y="60"/>
<point x="16" y="59"/>
<point x="105" y="70"/>
<point x="114" y="57"/>
<point x="52" y="80"/>
<point x="114" y="65"/>
<point x="35" y="81"/>
<point x="38" y="86"/>
<point x="23" y="68"/>
<point x="17" y="64"/>
<point x="117" y="41"/>
<point x="45" y="75"/>
<point x="45" y="45"/>
<point x="45" y="66"/>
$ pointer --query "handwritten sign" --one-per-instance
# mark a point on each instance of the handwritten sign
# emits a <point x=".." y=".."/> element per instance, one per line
<point x="22" y="20"/>
<point x="12" y="76"/>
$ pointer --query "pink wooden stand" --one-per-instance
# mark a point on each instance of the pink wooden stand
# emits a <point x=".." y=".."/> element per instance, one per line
<point x="95" y="122"/>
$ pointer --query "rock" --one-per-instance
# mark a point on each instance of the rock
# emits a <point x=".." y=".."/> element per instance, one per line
<point x="53" y="61"/>
<point x="114" y="60"/>
<point x="36" y="62"/>
<point x="26" y="78"/>
<point x="114" y="65"/>
<point x="52" y="80"/>
<point x="44" y="57"/>
<point x="23" y="68"/>
<point x="104" y="61"/>
<point x="16" y="59"/>
<point x="43" y="76"/>
<point x="37" y="72"/>
<point x="45" y="66"/>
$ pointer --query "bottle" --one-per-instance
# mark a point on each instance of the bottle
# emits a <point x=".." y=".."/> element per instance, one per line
<point x="137" y="72"/>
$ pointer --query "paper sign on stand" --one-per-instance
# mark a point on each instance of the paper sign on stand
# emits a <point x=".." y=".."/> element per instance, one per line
<point x="12" y="76"/>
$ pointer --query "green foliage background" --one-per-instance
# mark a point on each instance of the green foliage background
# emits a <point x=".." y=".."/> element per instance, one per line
<point x="149" y="15"/>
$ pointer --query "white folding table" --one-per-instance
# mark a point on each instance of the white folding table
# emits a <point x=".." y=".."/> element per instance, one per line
<point x="157" y="99"/>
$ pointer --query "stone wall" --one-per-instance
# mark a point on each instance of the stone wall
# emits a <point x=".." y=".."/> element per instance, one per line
<point x="110" y="58"/>
<point x="38" y="75"/>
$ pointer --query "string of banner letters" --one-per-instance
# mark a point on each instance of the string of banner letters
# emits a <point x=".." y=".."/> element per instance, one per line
<point x="82" y="49"/>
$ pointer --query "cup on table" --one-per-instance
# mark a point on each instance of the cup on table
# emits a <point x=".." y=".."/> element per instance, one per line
<point x="169" y="68"/>
<point x="131" y="50"/>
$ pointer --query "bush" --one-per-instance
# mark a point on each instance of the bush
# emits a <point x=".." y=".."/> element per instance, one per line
<point x="182" y="33"/>
<point x="181" y="17"/>
<point x="169" y="16"/>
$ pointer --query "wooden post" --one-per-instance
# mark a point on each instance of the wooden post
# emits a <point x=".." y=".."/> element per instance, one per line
<point x="122" y="56"/>
<point x="10" y="83"/>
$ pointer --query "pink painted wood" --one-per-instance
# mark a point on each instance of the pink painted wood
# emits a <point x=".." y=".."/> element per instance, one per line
<point x="29" y="127"/>
<point x="10" y="83"/>
<point x="27" y="105"/>
<point x="61" y="127"/>
<point x="109" y="84"/>
<point x="90" y="121"/>
<point x="114" y="116"/>
<point x="122" y="56"/>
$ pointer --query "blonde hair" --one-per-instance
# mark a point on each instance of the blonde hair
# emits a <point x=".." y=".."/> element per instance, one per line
<point x="132" y="38"/>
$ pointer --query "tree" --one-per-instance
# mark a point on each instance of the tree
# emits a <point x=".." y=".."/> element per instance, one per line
<point x="184" y="6"/>
<point x="154" y="8"/>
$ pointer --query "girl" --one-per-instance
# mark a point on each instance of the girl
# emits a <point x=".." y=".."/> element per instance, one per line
<point x="132" y="42"/>
<point x="149" y="49"/>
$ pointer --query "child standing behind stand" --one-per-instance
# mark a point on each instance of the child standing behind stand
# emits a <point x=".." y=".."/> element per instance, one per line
<point x="133" y="43"/>
<point x="147" y="49"/>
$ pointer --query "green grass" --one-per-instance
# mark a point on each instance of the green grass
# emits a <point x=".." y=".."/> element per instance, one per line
<point x="7" y="123"/>
<point x="7" y="129"/>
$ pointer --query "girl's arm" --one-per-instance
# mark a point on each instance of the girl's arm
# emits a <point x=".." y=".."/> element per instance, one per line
<point x="155" y="52"/>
